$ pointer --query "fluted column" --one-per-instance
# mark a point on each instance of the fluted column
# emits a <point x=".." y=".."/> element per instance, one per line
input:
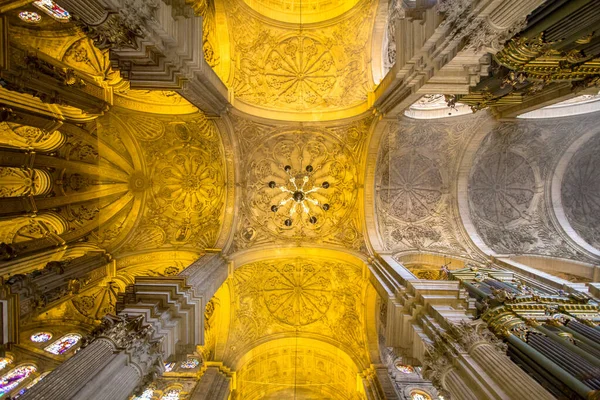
<point x="457" y="387"/>
<point x="213" y="385"/>
<point x="469" y="362"/>
<point x="512" y="379"/>
<point x="119" y="357"/>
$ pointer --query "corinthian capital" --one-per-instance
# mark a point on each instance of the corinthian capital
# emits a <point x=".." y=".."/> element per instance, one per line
<point x="471" y="333"/>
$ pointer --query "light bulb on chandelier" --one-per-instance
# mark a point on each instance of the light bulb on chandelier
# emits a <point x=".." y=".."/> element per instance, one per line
<point x="299" y="197"/>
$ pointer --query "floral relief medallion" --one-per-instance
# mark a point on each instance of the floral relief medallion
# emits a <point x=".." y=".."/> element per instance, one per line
<point x="332" y="171"/>
<point x="502" y="187"/>
<point x="412" y="187"/>
<point x="187" y="182"/>
<point x="300" y="71"/>
<point x="298" y="293"/>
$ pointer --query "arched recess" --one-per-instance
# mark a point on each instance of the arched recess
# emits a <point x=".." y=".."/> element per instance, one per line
<point x="378" y="132"/>
<point x="28" y="137"/>
<point x="19" y="182"/>
<point x="22" y="229"/>
<point x="575" y="192"/>
<point x="567" y="270"/>
<point x="379" y="42"/>
<point x="432" y="266"/>
<point x="291" y="366"/>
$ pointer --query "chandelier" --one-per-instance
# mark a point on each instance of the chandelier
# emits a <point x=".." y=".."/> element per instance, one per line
<point x="300" y="199"/>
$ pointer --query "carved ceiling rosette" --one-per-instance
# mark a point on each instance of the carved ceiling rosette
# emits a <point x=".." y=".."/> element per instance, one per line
<point x="300" y="295"/>
<point x="332" y="183"/>
<point x="503" y="188"/>
<point x="319" y="68"/>
<point x="411" y="188"/>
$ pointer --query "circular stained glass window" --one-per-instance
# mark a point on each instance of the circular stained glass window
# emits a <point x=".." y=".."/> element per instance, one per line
<point x="419" y="395"/>
<point x="41" y="337"/>
<point x="30" y="16"/>
<point x="405" y="369"/>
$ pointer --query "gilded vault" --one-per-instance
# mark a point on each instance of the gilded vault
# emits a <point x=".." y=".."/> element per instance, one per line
<point x="285" y="71"/>
<point x="296" y="190"/>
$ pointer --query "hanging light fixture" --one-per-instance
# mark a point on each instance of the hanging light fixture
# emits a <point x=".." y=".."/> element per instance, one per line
<point x="299" y="195"/>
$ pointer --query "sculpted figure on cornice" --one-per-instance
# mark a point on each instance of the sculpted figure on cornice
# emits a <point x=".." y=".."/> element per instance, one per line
<point x="417" y="169"/>
<point x="332" y="152"/>
<point x="307" y="70"/>
<point x="510" y="181"/>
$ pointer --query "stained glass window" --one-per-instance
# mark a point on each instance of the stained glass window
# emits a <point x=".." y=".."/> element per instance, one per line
<point x="4" y="362"/>
<point x="41" y="337"/>
<point x="62" y="345"/>
<point x="190" y="363"/>
<point x="36" y="380"/>
<point x="405" y="369"/>
<point x="171" y="394"/>
<point x="14" y="377"/>
<point x="169" y="367"/>
<point x="53" y="10"/>
<point x="419" y="395"/>
<point x="30" y="16"/>
<point x="147" y="395"/>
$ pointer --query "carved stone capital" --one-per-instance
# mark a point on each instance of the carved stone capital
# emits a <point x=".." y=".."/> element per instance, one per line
<point x="121" y="28"/>
<point x="134" y="338"/>
<point x="437" y="362"/>
<point x="469" y="334"/>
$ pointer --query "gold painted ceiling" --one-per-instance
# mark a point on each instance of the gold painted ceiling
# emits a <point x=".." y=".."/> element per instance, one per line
<point x="299" y="71"/>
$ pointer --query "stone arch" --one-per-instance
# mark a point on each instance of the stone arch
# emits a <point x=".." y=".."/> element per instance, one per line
<point x="576" y="181"/>
<point x="336" y="379"/>
<point x="21" y="229"/>
<point x="378" y="132"/>
<point x="379" y="42"/>
<point x="30" y="137"/>
<point x="18" y="182"/>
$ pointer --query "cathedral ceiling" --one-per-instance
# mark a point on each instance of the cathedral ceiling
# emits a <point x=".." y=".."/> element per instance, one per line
<point x="415" y="185"/>
<point x="296" y="367"/>
<point x="515" y="198"/>
<point x="178" y="182"/>
<point x="334" y="153"/>
<point x="311" y="297"/>
<point x="291" y="71"/>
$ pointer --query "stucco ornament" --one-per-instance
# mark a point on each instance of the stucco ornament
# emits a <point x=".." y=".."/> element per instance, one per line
<point x="503" y="187"/>
<point x="332" y="173"/>
<point x="580" y="192"/>
<point x="308" y="295"/>
<point x="321" y="68"/>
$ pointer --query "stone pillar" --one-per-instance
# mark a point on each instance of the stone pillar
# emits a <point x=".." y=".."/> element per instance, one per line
<point x="26" y="70"/>
<point x="175" y="306"/>
<point x="41" y="289"/>
<point x="475" y="366"/>
<point x="155" y="46"/>
<point x="214" y="384"/>
<point x="119" y="357"/>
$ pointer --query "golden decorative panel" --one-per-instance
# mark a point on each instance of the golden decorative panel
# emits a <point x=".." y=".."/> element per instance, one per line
<point x="334" y="154"/>
<point x="180" y="182"/>
<point x="301" y="11"/>
<point x="297" y="367"/>
<point x="301" y="70"/>
<point x="318" y="297"/>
